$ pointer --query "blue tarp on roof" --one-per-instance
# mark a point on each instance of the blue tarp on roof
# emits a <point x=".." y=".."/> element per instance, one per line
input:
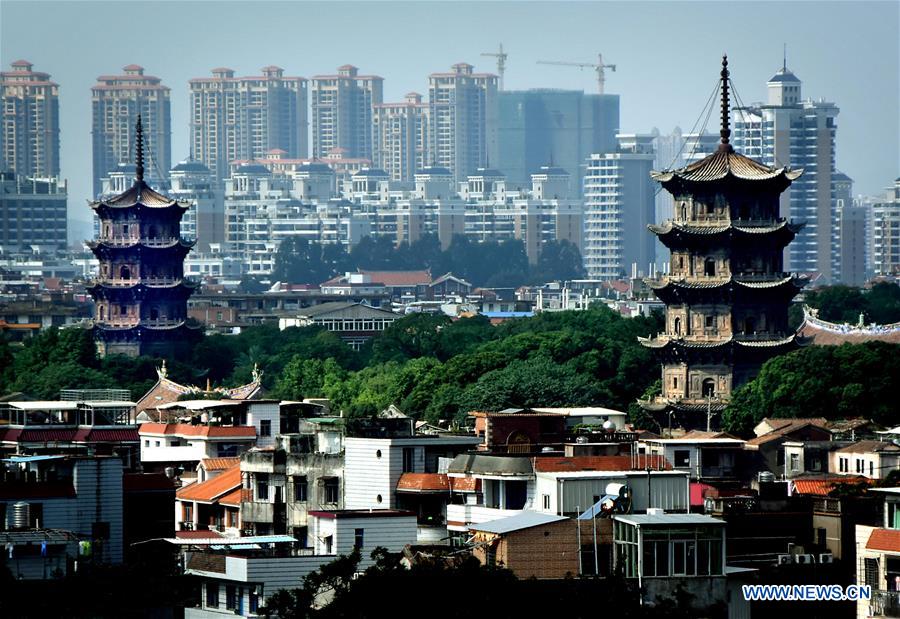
<point x="21" y="459"/>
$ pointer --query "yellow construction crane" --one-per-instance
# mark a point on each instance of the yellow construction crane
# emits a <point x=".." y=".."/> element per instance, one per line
<point x="599" y="66"/>
<point x="501" y="57"/>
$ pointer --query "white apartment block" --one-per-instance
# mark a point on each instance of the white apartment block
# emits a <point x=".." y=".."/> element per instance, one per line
<point x="619" y="203"/>
<point x="342" y="106"/>
<point x="246" y="117"/>
<point x="117" y="101"/>
<point x="463" y="110"/>
<point x="29" y="137"/>
<point x="886" y="233"/>
<point x="401" y="137"/>
<point x="789" y="131"/>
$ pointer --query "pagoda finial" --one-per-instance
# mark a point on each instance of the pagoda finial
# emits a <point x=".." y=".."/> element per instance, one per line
<point x="784" y="58"/>
<point x="726" y="131"/>
<point x="139" y="149"/>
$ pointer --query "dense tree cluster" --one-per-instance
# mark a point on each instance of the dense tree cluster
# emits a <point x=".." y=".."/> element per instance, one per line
<point x="490" y="264"/>
<point x="835" y="382"/>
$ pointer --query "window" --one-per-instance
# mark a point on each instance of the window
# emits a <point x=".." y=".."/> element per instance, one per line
<point x="677" y="326"/>
<point x="682" y="457"/>
<point x="842" y="465"/>
<point x="230" y="596"/>
<point x="546" y="501"/>
<point x="709" y="267"/>
<point x="265" y="427"/>
<point x="795" y="463"/>
<point x="408" y="459"/>
<point x="262" y="487"/>
<point x="330" y="490"/>
<point x="710" y="322"/>
<point x="300" y="488"/>
<point x="146" y="442"/>
<point x="709" y="388"/>
<point x="871" y="469"/>
<point x="329" y="543"/>
<point x="358" y="539"/>
<point x="212" y="595"/>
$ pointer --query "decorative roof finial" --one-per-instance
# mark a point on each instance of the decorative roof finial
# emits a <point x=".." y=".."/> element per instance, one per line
<point x="726" y="131"/>
<point x="139" y="149"/>
<point x="784" y="59"/>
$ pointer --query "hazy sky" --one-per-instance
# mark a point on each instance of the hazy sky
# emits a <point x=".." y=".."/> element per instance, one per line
<point x="667" y="53"/>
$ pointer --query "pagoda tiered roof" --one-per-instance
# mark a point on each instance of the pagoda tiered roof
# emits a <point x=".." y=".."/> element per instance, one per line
<point x="723" y="164"/>
<point x="140" y="195"/>
<point x="728" y="232"/>
<point x="733" y="342"/>
<point x="676" y="290"/>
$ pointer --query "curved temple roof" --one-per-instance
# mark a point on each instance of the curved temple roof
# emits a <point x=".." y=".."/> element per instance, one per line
<point x="139" y="193"/>
<point x="723" y="163"/>
<point x="670" y="226"/>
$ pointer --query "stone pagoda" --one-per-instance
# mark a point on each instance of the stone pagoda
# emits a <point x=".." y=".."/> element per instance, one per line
<point x="726" y="293"/>
<point x="140" y="294"/>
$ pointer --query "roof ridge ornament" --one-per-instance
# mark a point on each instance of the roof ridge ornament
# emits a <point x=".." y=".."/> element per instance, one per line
<point x="139" y="149"/>
<point x="725" y="132"/>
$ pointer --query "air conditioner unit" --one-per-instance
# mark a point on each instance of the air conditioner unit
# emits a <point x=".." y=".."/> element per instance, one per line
<point x="826" y="557"/>
<point x="785" y="559"/>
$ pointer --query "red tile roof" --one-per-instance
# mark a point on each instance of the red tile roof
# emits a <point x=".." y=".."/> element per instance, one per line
<point x="786" y="431"/>
<point x="211" y="490"/>
<point x="465" y="484"/>
<point x="187" y="429"/>
<point x="884" y="539"/>
<point x="107" y="435"/>
<point x="399" y="278"/>
<point x="219" y="464"/>
<point x="235" y="497"/>
<point x="822" y="487"/>
<point x="423" y="482"/>
<point x="559" y="464"/>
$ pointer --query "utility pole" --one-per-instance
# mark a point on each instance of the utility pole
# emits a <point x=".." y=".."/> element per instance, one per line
<point x="501" y="57"/>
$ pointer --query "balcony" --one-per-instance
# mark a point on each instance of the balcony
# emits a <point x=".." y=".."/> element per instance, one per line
<point x="884" y="604"/>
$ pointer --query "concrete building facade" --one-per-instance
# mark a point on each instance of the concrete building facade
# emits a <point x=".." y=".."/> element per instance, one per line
<point x="342" y="106"/>
<point x="401" y="137"/>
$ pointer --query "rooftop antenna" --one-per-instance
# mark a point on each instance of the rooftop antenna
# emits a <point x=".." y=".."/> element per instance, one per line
<point x="501" y="57"/>
<point x="725" y="132"/>
<point x="139" y="150"/>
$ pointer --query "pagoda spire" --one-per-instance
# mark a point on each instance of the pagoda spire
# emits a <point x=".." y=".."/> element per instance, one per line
<point x="139" y="149"/>
<point x="725" y="132"/>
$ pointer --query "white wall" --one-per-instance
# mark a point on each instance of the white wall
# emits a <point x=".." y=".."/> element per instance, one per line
<point x="259" y="411"/>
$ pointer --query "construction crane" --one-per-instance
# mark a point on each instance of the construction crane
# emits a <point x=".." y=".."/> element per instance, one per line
<point x="600" y="67"/>
<point x="501" y="57"/>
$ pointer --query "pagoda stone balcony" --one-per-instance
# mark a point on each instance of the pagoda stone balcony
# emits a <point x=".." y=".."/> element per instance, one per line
<point x="128" y="241"/>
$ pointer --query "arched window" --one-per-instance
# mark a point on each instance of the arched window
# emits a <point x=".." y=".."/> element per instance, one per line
<point x="709" y="388"/>
<point x="154" y="313"/>
<point x="709" y="267"/>
<point x="684" y="212"/>
<point x="677" y="325"/>
<point x="125" y="272"/>
<point x="102" y="312"/>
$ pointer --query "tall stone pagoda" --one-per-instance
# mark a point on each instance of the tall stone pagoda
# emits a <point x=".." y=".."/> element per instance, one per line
<point x="726" y="293"/>
<point x="140" y="295"/>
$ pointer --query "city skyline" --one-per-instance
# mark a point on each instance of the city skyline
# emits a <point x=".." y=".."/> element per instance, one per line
<point x="867" y="147"/>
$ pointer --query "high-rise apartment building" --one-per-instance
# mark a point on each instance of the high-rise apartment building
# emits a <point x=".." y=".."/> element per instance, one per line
<point x="342" y="112"/>
<point x="29" y="139"/>
<point x="193" y="183"/>
<point x="401" y="137"/>
<point x="118" y="100"/>
<point x="800" y="133"/>
<point x="544" y="125"/>
<point x="246" y="117"/>
<point x="619" y="204"/>
<point x="850" y="231"/>
<point x="32" y="214"/>
<point x="462" y="120"/>
<point x="886" y="233"/>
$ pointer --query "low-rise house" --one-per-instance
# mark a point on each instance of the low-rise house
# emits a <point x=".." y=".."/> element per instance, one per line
<point x="767" y="449"/>
<point x="354" y="323"/>
<point x="167" y="391"/>
<point x="82" y="422"/>
<point x="237" y="576"/>
<point x="706" y="456"/>
<point x="211" y="467"/>
<point x="556" y="485"/>
<point x="211" y="505"/>
<point x="305" y="472"/>
<point x="666" y="552"/>
<point x="809" y="457"/>
<point x="872" y="459"/>
<point x="878" y="560"/>
<point x="79" y="494"/>
<point x="768" y="424"/>
<point x="530" y="544"/>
